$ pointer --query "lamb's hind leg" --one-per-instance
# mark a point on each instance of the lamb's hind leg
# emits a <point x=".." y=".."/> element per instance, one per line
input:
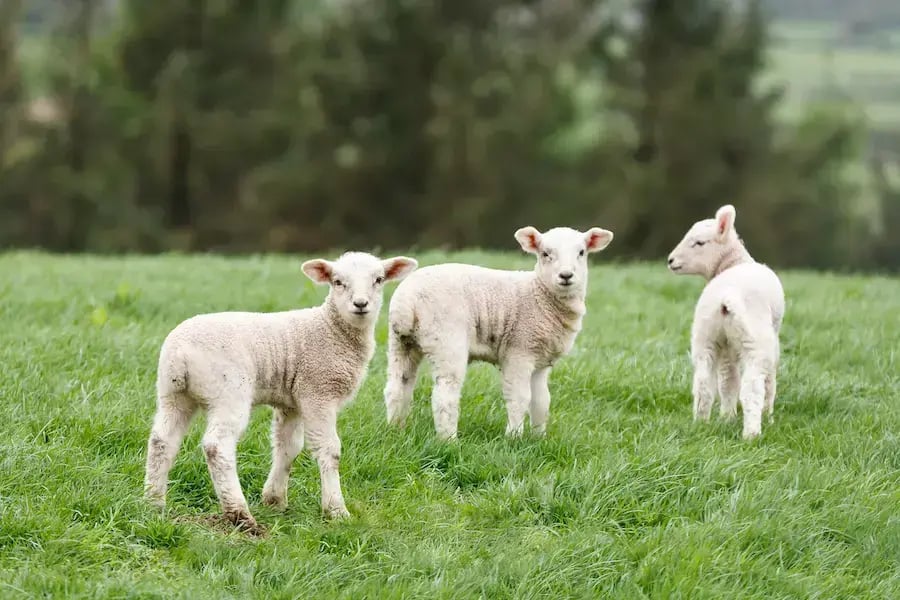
<point x="704" y="384"/>
<point x="226" y="422"/>
<point x="287" y="442"/>
<point x="173" y="417"/>
<point x="403" y="366"/>
<point x="449" y="369"/>
<point x="729" y="388"/>
<point x="753" y="390"/>
<point x="769" y="408"/>
<point x="770" y="382"/>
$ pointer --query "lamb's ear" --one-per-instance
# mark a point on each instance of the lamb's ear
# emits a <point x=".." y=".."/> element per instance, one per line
<point x="319" y="270"/>
<point x="596" y="239"/>
<point x="398" y="267"/>
<point x="724" y="221"/>
<point x="530" y="239"/>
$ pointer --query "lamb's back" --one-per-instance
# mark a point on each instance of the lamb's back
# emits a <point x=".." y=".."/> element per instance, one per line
<point x="263" y="348"/>
<point x="754" y="286"/>
<point x="461" y="294"/>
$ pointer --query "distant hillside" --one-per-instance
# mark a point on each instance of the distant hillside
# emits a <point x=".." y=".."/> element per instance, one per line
<point x="882" y="12"/>
<point x="38" y="13"/>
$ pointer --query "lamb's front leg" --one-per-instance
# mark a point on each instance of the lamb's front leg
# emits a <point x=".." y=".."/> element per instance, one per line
<point x="287" y="442"/>
<point x="320" y="419"/>
<point x="540" y="400"/>
<point x="517" y="373"/>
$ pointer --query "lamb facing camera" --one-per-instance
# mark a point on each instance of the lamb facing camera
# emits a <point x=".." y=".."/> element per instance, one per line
<point x="305" y="364"/>
<point x="521" y="321"/>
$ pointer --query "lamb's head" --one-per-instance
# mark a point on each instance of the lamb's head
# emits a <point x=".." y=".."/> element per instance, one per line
<point x="562" y="256"/>
<point x="357" y="282"/>
<point x="706" y="245"/>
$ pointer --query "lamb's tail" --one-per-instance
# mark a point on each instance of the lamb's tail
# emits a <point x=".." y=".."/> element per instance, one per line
<point x="734" y="311"/>
<point x="402" y="316"/>
<point x="172" y="373"/>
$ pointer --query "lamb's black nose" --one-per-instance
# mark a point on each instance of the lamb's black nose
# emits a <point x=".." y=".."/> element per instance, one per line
<point x="566" y="275"/>
<point x="671" y="260"/>
<point x="360" y="303"/>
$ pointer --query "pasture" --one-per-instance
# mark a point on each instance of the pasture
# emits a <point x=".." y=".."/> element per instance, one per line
<point x="625" y="498"/>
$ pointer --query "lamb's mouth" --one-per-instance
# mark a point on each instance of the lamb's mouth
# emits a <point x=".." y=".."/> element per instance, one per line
<point x="675" y="268"/>
<point x="360" y="313"/>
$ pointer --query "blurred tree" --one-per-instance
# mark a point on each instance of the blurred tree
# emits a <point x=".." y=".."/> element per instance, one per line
<point x="208" y="72"/>
<point x="10" y="78"/>
<point x="306" y="124"/>
<point x="689" y="83"/>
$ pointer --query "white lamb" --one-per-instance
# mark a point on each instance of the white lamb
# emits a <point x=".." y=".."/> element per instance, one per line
<point x="304" y="363"/>
<point x="521" y="321"/>
<point x="736" y="322"/>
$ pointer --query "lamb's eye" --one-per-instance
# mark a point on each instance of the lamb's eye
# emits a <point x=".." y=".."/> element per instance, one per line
<point x="581" y="252"/>
<point x="337" y="283"/>
<point x="545" y="254"/>
<point x="379" y="280"/>
<point x="698" y="243"/>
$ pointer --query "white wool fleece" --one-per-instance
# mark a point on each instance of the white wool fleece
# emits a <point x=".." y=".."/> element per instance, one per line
<point x="521" y="321"/>
<point x="304" y="363"/>
<point x="737" y="320"/>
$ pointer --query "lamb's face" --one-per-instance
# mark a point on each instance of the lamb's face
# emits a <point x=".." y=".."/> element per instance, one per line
<point x="357" y="282"/>
<point x="562" y="255"/>
<point x="704" y="245"/>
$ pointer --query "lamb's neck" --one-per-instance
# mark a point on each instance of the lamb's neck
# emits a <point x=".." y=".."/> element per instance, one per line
<point x="353" y="335"/>
<point x="567" y="310"/>
<point x="735" y="255"/>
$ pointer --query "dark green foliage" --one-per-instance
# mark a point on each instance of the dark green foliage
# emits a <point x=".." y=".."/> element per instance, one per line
<point x="287" y="125"/>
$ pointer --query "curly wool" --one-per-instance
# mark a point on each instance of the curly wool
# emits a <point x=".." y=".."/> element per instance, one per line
<point x="523" y="322"/>
<point x="304" y="363"/>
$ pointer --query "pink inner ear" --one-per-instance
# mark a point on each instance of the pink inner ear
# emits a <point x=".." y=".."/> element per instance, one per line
<point x="321" y="271"/>
<point x="594" y="240"/>
<point x="394" y="268"/>
<point x="533" y="241"/>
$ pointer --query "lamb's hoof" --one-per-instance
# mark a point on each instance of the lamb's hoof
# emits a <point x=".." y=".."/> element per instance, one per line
<point x="157" y="502"/>
<point x="750" y="435"/>
<point x="275" y="501"/>
<point x="336" y="513"/>
<point x="245" y="522"/>
<point x="397" y="422"/>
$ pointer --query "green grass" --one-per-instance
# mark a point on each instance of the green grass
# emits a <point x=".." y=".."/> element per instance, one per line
<point x="625" y="498"/>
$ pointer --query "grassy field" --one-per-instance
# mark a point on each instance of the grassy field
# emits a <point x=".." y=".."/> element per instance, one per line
<point x="625" y="498"/>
